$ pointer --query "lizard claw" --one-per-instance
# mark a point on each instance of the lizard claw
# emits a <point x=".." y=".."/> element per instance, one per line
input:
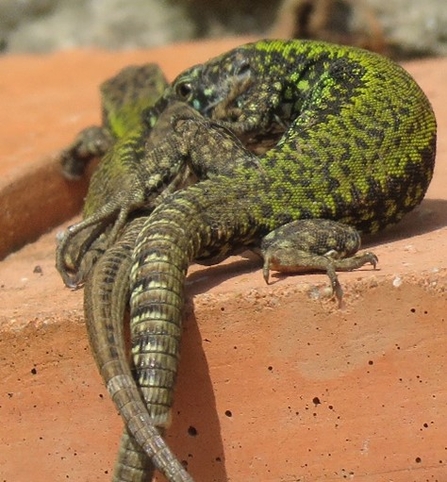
<point x="72" y="281"/>
<point x="371" y="258"/>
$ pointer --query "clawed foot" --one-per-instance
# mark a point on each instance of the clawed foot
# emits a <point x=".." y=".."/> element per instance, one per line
<point x="314" y="245"/>
<point x="79" y="247"/>
<point x="329" y="263"/>
<point x="347" y="264"/>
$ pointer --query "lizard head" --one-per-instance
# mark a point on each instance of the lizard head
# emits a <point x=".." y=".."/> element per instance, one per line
<point x="226" y="79"/>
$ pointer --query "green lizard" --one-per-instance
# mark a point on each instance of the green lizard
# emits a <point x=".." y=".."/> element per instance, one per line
<point x="358" y="147"/>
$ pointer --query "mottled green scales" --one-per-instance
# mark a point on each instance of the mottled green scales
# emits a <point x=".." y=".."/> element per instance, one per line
<point x="123" y="99"/>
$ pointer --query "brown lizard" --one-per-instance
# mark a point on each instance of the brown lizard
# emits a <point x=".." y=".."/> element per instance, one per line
<point x="124" y="97"/>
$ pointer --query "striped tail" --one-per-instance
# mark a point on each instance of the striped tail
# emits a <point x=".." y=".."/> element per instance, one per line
<point x="106" y="295"/>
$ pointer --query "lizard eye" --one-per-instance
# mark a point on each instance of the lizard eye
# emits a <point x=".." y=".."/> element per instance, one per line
<point x="183" y="90"/>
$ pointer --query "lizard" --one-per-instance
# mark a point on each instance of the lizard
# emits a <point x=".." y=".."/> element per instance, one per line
<point x="358" y="147"/>
<point x="124" y="98"/>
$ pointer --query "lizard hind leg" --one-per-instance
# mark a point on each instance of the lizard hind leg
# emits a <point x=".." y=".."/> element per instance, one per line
<point x="314" y="245"/>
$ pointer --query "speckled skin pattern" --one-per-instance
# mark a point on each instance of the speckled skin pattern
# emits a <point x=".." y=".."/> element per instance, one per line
<point x="354" y="120"/>
<point x="123" y="99"/>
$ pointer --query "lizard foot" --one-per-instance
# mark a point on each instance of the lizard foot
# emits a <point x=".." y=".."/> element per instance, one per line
<point x="314" y="245"/>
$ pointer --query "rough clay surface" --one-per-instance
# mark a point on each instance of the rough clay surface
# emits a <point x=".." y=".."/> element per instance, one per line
<point x="276" y="383"/>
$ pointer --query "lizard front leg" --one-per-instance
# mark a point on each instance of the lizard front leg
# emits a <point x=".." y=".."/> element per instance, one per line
<point x="91" y="142"/>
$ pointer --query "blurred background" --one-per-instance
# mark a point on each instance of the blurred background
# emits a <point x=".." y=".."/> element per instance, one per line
<point x="398" y="28"/>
